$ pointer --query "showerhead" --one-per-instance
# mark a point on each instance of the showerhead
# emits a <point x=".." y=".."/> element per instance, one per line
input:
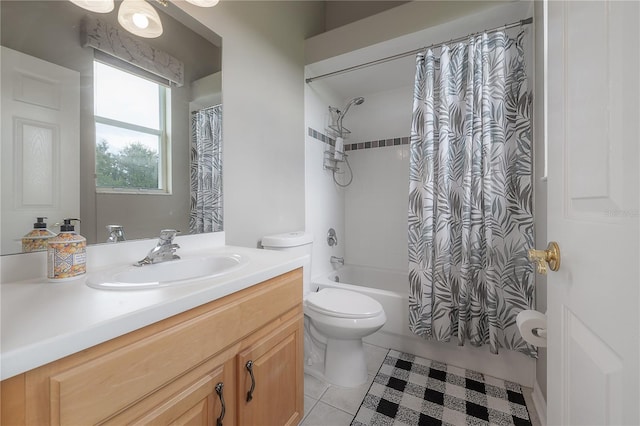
<point x="358" y="101"/>
<point x="339" y="115"/>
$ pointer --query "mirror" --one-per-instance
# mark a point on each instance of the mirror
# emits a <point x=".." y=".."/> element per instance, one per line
<point x="45" y="174"/>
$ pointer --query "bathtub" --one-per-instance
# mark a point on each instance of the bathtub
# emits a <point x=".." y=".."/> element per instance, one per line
<point x="391" y="289"/>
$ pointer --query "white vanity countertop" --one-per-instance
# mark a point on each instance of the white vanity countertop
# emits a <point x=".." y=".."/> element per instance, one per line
<point x="42" y="322"/>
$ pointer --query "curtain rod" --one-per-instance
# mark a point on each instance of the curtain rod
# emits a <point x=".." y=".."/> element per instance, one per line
<point x="205" y="108"/>
<point x="415" y="51"/>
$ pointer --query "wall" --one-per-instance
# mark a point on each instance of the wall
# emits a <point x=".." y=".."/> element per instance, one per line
<point x="339" y="13"/>
<point x="263" y="96"/>
<point x="324" y="200"/>
<point x="376" y="202"/>
<point x="378" y="174"/>
<point x="206" y="92"/>
<point x="411" y="17"/>
<point x="54" y="36"/>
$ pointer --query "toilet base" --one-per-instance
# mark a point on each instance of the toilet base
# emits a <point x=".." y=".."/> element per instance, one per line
<point x="344" y="363"/>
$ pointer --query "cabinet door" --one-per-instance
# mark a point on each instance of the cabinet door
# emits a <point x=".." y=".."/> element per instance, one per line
<point x="277" y="382"/>
<point x="198" y="404"/>
<point x="204" y="396"/>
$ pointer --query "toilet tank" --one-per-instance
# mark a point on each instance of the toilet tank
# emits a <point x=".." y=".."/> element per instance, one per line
<point x="298" y="242"/>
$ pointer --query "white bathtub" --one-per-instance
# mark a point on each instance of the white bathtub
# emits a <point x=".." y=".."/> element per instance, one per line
<point x="391" y="289"/>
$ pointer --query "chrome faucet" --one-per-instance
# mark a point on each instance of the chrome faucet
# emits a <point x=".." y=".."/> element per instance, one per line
<point x="335" y="260"/>
<point x="164" y="251"/>
<point x="116" y="233"/>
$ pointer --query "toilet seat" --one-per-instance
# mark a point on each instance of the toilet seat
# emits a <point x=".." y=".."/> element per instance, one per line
<point x="341" y="303"/>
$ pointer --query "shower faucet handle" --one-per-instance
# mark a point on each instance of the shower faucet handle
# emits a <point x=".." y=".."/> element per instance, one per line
<point x="332" y="238"/>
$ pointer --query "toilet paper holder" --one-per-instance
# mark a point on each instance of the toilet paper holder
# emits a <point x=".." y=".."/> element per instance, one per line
<point x="533" y="327"/>
<point x="540" y="332"/>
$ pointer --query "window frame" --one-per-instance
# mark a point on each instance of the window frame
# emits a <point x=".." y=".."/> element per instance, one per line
<point x="164" y="150"/>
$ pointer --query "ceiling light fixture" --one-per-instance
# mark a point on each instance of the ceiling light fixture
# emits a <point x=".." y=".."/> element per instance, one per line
<point x="204" y="3"/>
<point x="98" y="6"/>
<point x="136" y="16"/>
<point x="140" y="18"/>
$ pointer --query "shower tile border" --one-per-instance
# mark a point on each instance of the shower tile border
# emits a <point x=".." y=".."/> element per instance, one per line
<point x="381" y="143"/>
<point x="321" y="137"/>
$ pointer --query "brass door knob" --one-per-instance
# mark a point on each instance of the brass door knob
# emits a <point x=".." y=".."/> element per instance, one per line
<point x="550" y="256"/>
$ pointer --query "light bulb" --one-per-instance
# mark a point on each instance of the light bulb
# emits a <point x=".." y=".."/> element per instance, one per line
<point x="140" y="20"/>
<point x="204" y="3"/>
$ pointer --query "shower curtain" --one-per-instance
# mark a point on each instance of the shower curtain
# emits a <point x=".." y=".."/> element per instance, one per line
<point x="206" y="170"/>
<point x="470" y="219"/>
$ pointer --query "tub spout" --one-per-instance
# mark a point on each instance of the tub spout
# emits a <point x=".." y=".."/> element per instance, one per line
<point x="335" y="260"/>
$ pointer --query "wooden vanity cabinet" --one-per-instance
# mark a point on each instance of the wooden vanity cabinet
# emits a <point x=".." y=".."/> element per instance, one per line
<point x="179" y="370"/>
<point x="268" y="368"/>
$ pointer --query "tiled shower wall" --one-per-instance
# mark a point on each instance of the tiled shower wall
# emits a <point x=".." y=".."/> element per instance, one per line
<point x="381" y="143"/>
<point x="324" y="201"/>
<point x="375" y="204"/>
<point x="376" y="208"/>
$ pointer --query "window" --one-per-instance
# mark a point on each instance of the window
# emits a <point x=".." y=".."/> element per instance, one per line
<point x="131" y="136"/>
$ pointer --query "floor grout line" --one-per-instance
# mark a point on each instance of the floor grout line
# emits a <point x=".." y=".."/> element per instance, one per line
<point x="324" y="392"/>
<point x="310" y="409"/>
<point x="341" y="409"/>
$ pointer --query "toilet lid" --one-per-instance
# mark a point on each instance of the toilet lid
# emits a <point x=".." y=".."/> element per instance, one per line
<point x="343" y="303"/>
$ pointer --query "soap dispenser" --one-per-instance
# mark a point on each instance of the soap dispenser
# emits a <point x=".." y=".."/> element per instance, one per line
<point x="36" y="239"/>
<point x="66" y="254"/>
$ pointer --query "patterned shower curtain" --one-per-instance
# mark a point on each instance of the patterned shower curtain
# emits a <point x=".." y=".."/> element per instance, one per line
<point x="206" y="170"/>
<point x="471" y="195"/>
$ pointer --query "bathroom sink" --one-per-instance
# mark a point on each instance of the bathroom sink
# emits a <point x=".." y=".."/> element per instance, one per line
<point x="175" y="272"/>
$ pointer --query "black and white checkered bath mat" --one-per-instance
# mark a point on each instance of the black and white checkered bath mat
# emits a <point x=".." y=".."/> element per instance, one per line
<point x="409" y="390"/>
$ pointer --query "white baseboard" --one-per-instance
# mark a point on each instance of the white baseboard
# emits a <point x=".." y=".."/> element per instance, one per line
<point x="540" y="403"/>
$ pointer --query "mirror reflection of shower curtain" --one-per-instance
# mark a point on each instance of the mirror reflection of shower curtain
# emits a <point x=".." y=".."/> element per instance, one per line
<point x="206" y="170"/>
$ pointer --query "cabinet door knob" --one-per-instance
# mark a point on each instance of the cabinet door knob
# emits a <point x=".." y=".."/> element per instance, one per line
<point x="249" y="366"/>
<point x="219" y="387"/>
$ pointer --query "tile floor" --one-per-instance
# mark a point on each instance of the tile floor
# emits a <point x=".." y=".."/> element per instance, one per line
<point x="328" y="405"/>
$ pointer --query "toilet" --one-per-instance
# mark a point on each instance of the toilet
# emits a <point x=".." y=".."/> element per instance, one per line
<point x="336" y="321"/>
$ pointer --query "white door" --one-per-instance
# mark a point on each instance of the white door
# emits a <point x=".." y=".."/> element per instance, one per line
<point x="40" y="144"/>
<point x="593" y="138"/>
